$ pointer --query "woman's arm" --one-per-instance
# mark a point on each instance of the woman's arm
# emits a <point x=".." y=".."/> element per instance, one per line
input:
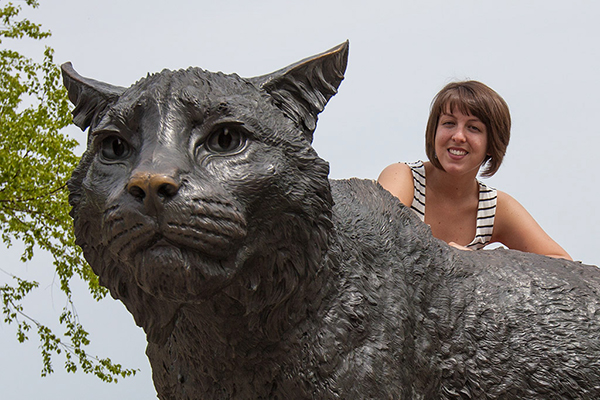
<point x="398" y="180"/>
<point x="515" y="228"/>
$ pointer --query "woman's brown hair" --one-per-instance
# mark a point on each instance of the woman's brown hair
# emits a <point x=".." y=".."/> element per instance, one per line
<point x="472" y="98"/>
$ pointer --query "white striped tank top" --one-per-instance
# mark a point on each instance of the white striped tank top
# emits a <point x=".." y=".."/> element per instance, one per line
<point x="486" y="211"/>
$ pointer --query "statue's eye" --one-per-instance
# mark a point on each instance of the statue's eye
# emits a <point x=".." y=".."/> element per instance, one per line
<point x="114" y="148"/>
<point x="225" y="140"/>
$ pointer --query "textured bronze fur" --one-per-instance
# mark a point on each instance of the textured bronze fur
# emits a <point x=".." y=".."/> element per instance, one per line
<point x="202" y="206"/>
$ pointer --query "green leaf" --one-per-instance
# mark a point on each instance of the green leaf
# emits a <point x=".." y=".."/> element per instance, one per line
<point x="36" y="160"/>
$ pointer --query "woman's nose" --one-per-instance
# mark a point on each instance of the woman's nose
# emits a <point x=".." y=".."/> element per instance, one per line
<point x="459" y="134"/>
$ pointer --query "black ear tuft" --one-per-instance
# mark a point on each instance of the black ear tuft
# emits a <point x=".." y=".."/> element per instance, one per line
<point x="88" y="95"/>
<point x="303" y="89"/>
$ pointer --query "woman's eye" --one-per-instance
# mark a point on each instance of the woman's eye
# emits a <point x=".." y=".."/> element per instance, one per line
<point x="225" y="140"/>
<point x="114" y="148"/>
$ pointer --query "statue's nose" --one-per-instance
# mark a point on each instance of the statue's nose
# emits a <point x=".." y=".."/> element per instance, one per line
<point x="151" y="188"/>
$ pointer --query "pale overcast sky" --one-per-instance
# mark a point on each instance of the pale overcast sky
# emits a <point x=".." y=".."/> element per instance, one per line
<point x="542" y="56"/>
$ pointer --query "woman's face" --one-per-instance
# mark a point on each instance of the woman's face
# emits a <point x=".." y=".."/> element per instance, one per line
<point x="460" y="142"/>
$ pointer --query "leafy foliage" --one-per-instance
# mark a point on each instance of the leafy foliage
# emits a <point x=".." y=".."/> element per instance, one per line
<point x="36" y="160"/>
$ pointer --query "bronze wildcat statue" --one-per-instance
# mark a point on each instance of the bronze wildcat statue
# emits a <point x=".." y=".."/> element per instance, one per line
<point x="202" y="206"/>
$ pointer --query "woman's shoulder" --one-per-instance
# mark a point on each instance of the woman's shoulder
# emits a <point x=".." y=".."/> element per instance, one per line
<point x="404" y="169"/>
<point x="397" y="179"/>
<point x="508" y="210"/>
<point x="507" y="203"/>
<point x="396" y="168"/>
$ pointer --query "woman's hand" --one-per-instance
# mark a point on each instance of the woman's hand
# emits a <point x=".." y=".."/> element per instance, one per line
<point x="458" y="246"/>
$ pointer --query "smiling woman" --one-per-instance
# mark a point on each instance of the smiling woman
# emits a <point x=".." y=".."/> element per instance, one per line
<point x="468" y="129"/>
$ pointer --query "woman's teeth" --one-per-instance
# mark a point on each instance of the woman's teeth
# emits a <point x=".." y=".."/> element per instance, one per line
<point x="457" y="152"/>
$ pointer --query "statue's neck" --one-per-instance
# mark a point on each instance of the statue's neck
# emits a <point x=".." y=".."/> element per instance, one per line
<point x="262" y="308"/>
<point x="228" y="342"/>
<point x="246" y="330"/>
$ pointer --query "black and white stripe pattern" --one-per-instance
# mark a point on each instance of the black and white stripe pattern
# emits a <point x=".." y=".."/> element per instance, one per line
<point x="418" y="203"/>
<point x="486" y="214"/>
<point x="486" y="211"/>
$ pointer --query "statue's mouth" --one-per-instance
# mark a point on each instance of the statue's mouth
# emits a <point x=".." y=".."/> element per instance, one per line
<point x="160" y="243"/>
<point x="206" y="227"/>
<point x="169" y="269"/>
<point x="213" y="238"/>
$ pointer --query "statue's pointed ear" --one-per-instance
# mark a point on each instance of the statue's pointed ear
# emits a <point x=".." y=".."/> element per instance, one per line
<point x="303" y="89"/>
<point x="88" y="95"/>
